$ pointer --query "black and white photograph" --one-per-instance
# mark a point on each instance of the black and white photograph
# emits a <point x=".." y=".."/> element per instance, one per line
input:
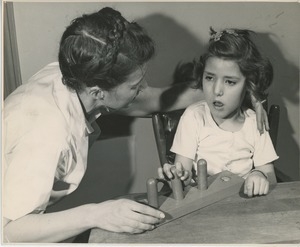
<point x="150" y="122"/>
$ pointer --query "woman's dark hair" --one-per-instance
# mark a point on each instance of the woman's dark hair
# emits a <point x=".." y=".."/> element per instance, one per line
<point x="102" y="49"/>
<point x="236" y="45"/>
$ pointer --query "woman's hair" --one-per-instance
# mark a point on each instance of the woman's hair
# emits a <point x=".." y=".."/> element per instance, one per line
<point x="102" y="49"/>
<point x="234" y="45"/>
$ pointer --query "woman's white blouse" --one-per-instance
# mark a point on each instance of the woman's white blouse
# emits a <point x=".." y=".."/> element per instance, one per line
<point x="199" y="137"/>
<point x="45" y="141"/>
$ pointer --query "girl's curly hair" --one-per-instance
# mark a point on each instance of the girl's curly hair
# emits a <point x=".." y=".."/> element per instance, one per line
<point x="236" y="45"/>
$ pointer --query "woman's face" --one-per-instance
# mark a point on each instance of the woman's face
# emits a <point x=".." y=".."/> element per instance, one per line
<point x="224" y="87"/>
<point x="124" y="94"/>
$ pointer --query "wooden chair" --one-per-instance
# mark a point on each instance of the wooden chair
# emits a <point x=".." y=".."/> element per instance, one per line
<point x="165" y="125"/>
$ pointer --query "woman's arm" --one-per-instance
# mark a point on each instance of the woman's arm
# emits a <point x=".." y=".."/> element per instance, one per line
<point x="152" y="100"/>
<point x="52" y="227"/>
<point x="261" y="115"/>
<point x="117" y="215"/>
<point x="179" y="96"/>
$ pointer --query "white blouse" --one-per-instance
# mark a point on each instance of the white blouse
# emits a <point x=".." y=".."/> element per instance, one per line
<point x="45" y="141"/>
<point x="199" y="137"/>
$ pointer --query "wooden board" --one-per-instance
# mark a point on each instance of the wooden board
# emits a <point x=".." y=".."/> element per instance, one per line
<point x="220" y="186"/>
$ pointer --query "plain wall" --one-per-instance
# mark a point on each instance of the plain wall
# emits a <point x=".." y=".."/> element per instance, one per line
<point x="122" y="164"/>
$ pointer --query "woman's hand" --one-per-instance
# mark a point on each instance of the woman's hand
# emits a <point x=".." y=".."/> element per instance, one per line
<point x="125" y="215"/>
<point x="183" y="174"/>
<point x="261" y="115"/>
<point x="256" y="184"/>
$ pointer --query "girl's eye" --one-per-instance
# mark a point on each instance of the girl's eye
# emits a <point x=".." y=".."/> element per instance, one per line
<point x="209" y="78"/>
<point x="231" y="83"/>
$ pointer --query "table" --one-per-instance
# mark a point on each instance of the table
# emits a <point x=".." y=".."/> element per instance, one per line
<point x="274" y="218"/>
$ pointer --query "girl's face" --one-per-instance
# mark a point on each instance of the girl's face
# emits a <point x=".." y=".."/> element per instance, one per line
<point x="224" y="88"/>
<point x="124" y="94"/>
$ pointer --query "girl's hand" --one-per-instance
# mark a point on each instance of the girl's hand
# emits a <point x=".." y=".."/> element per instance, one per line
<point x="165" y="172"/>
<point x="125" y="215"/>
<point x="261" y="115"/>
<point x="256" y="184"/>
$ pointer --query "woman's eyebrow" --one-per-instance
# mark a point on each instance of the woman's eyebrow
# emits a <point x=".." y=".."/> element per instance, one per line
<point x="139" y="82"/>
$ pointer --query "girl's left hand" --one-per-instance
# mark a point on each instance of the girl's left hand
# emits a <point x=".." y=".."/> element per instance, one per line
<point x="256" y="184"/>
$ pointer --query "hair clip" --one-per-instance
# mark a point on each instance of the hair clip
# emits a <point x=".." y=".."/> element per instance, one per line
<point x="217" y="36"/>
<point x="231" y="31"/>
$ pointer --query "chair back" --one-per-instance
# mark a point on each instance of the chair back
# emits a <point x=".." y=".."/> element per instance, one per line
<point x="164" y="127"/>
<point x="273" y="118"/>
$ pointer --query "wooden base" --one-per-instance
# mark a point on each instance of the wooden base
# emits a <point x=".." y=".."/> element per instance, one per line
<point x="220" y="186"/>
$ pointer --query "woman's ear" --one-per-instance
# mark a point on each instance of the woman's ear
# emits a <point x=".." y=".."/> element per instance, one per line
<point x="97" y="93"/>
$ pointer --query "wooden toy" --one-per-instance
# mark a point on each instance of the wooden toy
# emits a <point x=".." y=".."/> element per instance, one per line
<point x="179" y="202"/>
<point x="202" y="174"/>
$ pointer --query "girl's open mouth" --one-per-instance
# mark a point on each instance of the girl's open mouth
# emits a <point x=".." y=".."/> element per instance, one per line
<point x="218" y="104"/>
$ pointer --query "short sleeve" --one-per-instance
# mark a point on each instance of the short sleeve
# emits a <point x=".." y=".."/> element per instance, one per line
<point x="30" y="167"/>
<point x="264" y="150"/>
<point x="186" y="138"/>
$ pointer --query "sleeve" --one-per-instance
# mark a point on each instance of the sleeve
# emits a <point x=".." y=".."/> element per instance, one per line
<point x="185" y="141"/>
<point x="30" y="166"/>
<point x="264" y="150"/>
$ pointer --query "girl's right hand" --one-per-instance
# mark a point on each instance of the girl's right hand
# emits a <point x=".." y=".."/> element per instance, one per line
<point x="165" y="172"/>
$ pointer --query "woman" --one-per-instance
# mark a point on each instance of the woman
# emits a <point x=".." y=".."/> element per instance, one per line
<point x="48" y="121"/>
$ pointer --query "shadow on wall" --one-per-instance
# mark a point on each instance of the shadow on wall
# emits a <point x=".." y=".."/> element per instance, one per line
<point x="174" y="44"/>
<point x="285" y="87"/>
<point x="110" y="172"/>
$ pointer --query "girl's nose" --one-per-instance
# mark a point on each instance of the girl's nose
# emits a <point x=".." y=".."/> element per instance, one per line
<point x="218" y="88"/>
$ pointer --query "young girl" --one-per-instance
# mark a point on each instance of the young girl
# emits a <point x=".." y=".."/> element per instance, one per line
<point x="222" y="129"/>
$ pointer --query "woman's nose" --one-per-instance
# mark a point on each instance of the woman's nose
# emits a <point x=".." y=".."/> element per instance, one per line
<point x="218" y="88"/>
<point x="144" y="84"/>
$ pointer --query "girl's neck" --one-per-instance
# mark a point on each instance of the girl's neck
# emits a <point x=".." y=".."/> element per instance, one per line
<point x="232" y="123"/>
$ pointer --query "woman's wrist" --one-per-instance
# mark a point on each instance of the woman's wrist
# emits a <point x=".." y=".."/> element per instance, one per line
<point x="89" y="215"/>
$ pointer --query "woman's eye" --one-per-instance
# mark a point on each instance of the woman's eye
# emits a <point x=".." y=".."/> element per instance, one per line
<point x="140" y="89"/>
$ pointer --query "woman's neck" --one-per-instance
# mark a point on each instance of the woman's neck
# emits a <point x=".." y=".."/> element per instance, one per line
<point x="89" y="107"/>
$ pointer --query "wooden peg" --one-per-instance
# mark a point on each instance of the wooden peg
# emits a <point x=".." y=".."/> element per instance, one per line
<point x="152" y="192"/>
<point x="176" y="185"/>
<point x="202" y="174"/>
